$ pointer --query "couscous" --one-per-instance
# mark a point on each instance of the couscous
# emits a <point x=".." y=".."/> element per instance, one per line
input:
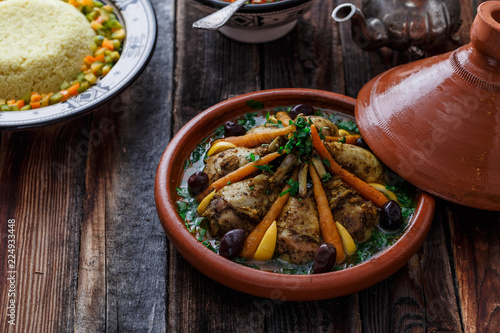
<point x="54" y="49"/>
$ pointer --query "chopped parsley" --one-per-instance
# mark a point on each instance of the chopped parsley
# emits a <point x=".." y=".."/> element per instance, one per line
<point x="326" y="162"/>
<point x="300" y="141"/>
<point x="255" y="104"/>
<point x="326" y="177"/>
<point x="248" y="120"/>
<point x="183" y="192"/>
<point x="294" y="188"/>
<point x="252" y="157"/>
<point x="265" y="168"/>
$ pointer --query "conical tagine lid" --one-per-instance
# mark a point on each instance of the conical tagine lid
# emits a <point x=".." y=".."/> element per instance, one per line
<point x="436" y="122"/>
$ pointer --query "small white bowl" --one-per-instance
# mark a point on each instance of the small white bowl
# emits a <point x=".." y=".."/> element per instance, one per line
<point x="258" y="23"/>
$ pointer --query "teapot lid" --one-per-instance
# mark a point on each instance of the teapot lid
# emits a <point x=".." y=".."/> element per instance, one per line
<point x="436" y="121"/>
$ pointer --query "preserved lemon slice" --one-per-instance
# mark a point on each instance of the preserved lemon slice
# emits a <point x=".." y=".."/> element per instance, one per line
<point x="202" y="207"/>
<point x="267" y="245"/>
<point x="347" y="241"/>
<point x="385" y="191"/>
<point x="343" y="132"/>
<point x="219" y="146"/>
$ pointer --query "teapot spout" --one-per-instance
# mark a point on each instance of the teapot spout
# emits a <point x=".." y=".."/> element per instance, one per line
<point x="368" y="34"/>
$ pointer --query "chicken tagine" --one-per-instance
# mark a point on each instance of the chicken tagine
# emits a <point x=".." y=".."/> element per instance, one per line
<point x="292" y="190"/>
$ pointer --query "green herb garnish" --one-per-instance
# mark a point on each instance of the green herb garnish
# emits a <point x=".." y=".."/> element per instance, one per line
<point x="252" y="157"/>
<point x="294" y="188"/>
<point x="265" y="168"/>
<point x="255" y="104"/>
<point x="326" y="177"/>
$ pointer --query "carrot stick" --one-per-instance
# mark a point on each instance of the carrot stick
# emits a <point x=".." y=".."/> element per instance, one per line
<point x="350" y="139"/>
<point x="237" y="175"/>
<point x="327" y="225"/>
<point x="255" y="237"/>
<point x="366" y="191"/>
<point x="283" y="117"/>
<point x="258" y="138"/>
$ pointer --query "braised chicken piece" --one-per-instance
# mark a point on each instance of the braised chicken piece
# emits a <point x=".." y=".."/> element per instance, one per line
<point x="327" y="127"/>
<point x="356" y="214"/>
<point x="357" y="160"/>
<point x="298" y="229"/>
<point x="242" y="205"/>
<point x="227" y="161"/>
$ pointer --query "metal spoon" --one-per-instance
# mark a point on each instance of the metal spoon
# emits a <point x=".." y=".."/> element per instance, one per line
<point x="216" y="20"/>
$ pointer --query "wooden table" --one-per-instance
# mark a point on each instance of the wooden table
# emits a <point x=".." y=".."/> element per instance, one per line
<point x="90" y="252"/>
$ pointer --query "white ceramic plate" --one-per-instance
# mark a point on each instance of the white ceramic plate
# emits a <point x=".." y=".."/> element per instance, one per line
<point x="139" y="20"/>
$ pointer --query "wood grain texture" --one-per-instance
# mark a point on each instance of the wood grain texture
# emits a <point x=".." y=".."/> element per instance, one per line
<point x="91" y="254"/>
<point x="476" y="255"/>
<point x="42" y="190"/>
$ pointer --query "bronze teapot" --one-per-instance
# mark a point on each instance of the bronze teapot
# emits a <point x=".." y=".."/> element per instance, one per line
<point x="414" y="25"/>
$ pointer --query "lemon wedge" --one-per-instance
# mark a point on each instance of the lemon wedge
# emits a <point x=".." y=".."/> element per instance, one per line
<point x="267" y="245"/>
<point x="343" y="132"/>
<point x="384" y="191"/>
<point x="347" y="241"/>
<point x="219" y="146"/>
<point x="202" y="207"/>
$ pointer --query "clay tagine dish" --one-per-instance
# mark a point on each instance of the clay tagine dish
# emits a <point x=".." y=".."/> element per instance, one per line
<point x="178" y="207"/>
<point x="436" y="121"/>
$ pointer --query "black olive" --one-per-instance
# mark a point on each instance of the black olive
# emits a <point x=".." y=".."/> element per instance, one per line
<point x="324" y="258"/>
<point x="234" y="129"/>
<point x="305" y="109"/>
<point x="391" y="218"/>
<point x="231" y="243"/>
<point x="362" y="143"/>
<point x="197" y="182"/>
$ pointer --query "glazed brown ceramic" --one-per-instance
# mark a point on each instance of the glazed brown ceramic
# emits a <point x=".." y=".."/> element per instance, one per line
<point x="436" y="122"/>
<point x="249" y="280"/>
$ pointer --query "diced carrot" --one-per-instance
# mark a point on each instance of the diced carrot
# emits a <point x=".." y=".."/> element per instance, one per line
<point x="108" y="44"/>
<point x="99" y="58"/>
<point x="11" y="102"/>
<point x="327" y="225"/>
<point x="20" y="103"/>
<point x="36" y="97"/>
<point x="73" y="90"/>
<point x="89" y="3"/>
<point x="366" y="191"/>
<point x="65" y="94"/>
<point x="72" y="2"/>
<point x="89" y="60"/>
<point x="237" y="175"/>
<point x="35" y="105"/>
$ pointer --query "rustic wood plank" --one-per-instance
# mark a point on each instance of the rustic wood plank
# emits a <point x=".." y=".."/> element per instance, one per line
<point x="196" y="303"/>
<point x="416" y="298"/>
<point x="42" y="189"/>
<point x="122" y="285"/>
<point x="476" y="254"/>
<point x="308" y="57"/>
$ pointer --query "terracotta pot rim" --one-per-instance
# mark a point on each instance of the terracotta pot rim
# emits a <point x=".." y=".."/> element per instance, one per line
<point x="268" y="284"/>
